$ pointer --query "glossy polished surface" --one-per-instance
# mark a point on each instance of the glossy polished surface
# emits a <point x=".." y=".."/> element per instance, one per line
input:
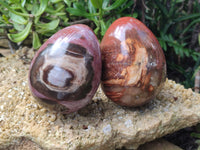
<point x="67" y="68"/>
<point x="133" y="62"/>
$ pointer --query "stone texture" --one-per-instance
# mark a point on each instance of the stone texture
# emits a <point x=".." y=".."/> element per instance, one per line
<point x="159" y="144"/>
<point x="4" y="42"/>
<point x="4" y="52"/>
<point x="23" y="144"/>
<point x="100" y="125"/>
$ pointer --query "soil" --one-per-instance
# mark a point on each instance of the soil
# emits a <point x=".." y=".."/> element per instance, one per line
<point x="183" y="138"/>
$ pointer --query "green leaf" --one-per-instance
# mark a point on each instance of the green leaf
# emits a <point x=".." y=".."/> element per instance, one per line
<point x="13" y="1"/>
<point x="18" y="27"/>
<point x="5" y="18"/>
<point x="172" y="9"/>
<point x="92" y="10"/>
<point x="162" y="7"/>
<point x="55" y="1"/>
<point x="116" y="4"/>
<point x="45" y="27"/>
<point x="80" y="7"/>
<point x="128" y="5"/>
<point x="56" y="12"/>
<point x="12" y="10"/>
<point x="135" y="15"/>
<point x="36" y="20"/>
<point x="18" y="19"/>
<point x="163" y="44"/>
<point x="103" y="27"/>
<point x="79" y="10"/>
<point x="179" y="1"/>
<point x="194" y="74"/>
<point x="43" y="6"/>
<point x="34" y="7"/>
<point x="191" y="24"/>
<point x="105" y="3"/>
<point x="68" y="2"/>
<point x="196" y="135"/>
<point x="96" y="30"/>
<point x="166" y="27"/>
<point x="36" y="41"/>
<point x="199" y="38"/>
<point x="197" y="5"/>
<point x="18" y="37"/>
<point x="53" y="11"/>
<point x="97" y="3"/>
<point x="187" y="17"/>
<point x="187" y="53"/>
<point x="23" y="2"/>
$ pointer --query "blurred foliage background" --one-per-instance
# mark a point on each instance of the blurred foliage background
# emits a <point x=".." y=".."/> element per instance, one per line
<point x="176" y="24"/>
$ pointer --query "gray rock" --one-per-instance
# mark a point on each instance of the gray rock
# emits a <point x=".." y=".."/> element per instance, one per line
<point x="100" y="125"/>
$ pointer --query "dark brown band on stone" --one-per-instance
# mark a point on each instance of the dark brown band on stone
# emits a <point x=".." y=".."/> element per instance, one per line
<point x="75" y="50"/>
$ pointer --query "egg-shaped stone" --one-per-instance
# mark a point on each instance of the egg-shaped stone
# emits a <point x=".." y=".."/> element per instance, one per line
<point x="133" y="63"/>
<point x="67" y="68"/>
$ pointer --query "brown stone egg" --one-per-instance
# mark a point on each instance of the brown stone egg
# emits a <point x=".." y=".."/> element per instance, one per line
<point x="67" y="68"/>
<point x="133" y="63"/>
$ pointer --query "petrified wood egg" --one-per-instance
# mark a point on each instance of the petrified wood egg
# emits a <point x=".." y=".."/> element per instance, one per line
<point x="133" y="63"/>
<point x="67" y="68"/>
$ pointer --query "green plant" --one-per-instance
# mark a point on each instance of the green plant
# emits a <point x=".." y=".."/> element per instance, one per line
<point x="196" y="134"/>
<point x="173" y="26"/>
<point x="101" y="12"/>
<point x="176" y="24"/>
<point x="41" y="18"/>
<point x="31" y="17"/>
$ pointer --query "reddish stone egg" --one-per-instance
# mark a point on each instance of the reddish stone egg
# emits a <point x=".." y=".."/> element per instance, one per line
<point x="133" y="63"/>
<point x="67" y="68"/>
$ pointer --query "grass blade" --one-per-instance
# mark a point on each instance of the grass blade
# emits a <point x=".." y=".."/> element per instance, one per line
<point x="18" y="37"/>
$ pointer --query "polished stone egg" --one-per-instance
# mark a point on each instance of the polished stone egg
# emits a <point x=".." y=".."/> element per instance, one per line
<point x="67" y="68"/>
<point x="133" y="63"/>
